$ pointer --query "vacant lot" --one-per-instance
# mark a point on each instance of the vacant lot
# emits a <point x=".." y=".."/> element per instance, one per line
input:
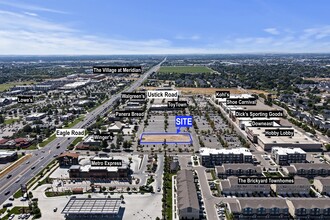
<point x="211" y="91"/>
<point x="6" y="86"/>
<point x="179" y="138"/>
<point x="318" y="79"/>
<point x="184" y="69"/>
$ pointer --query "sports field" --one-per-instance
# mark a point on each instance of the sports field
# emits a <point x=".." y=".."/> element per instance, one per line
<point x="170" y="137"/>
<point x="184" y="69"/>
<point x="6" y="86"/>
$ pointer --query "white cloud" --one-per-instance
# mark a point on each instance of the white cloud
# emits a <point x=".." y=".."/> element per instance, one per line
<point x="30" y="7"/>
<point x="31" y="14"/>
<point x="272" y="31"/>
<point x="21" y="33"/>
<point x="317" y="33"/>
<point x="26" y="33"/>
<point x="184" y="37"/>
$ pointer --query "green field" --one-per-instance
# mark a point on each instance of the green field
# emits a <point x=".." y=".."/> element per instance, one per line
<point x="184" y="69"/>
<point x="6" y="86"/>
<point x="48" y="140"/>
<point x="10" y="121"/>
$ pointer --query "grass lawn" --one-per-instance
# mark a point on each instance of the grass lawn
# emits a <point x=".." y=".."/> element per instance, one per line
<point x="76" y="141"/>
<point x="184" y="69"/>
<point x="48" y="140"/>
<point x="10" y="121"/>
<point x="18" y="194"/>
<point x="76" y="121"/>
<point x="6" y="86"/>
<point x="273" y="174"/>
<point x="32" y="147"/>
<point x="17" y="210"/>
<point x="52" y="194"/>
<point x="3" y="211"/>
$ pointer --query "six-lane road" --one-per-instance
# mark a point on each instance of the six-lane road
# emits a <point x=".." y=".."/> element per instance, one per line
<point x="42" y="157"/>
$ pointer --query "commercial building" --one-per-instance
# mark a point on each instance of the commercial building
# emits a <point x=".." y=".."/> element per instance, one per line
<point x="301" y="186"/>
<point x="308" y="170"/>
<point x="241" y="169"/>
<point x="87" y="170"/>
<point x="216" y="157"/>
<point x="231" y="186"/>
<point x="309" y="208"/>
<point x="68" y="159"/>
<point x="16" y="143"/>
<point x="35" y="116"/>
<point x="286" y="156"/>
<point x="8" y="156"/>
<point x="92" y="208"/>
<point x="259" y="208"/>
<point x="322" y="185"/>
<point x="298" y="140"/>
<point x="188" y="205"/>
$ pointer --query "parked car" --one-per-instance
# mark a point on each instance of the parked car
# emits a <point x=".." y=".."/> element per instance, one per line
<point x="7" y="205"/>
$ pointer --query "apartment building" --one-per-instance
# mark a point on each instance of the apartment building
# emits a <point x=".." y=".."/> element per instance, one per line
<point x="216" y="157"/>
<point x="301" y="186"/>
<point x="308" y="170"/>
<point x="231" y="186"/>
<point x="322" y="185"/>
<point x="240" y="169"/>
<point x="188" y="205"/>
<point x="259" y="208"/>
<point x="286" y="156"/>
<point x="309" y="208"/>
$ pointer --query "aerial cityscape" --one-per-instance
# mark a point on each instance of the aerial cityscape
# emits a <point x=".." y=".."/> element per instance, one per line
<point x="144" y="110"/>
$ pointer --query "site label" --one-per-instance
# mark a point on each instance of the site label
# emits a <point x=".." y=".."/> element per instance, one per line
<point x="25" y="99"/>
<point x="107" y="163"/>
<point x="233" y="101"/>
<point x="166" y="94"/>
<point x="222" y="94"/>
<point x="183" y="121"/>
<point x="117" y="69"/>
<point x="262" y="123"/>
<point x="261" y="114"/>
<point x="279" y="132"/>
<point x="133" y="95"/>
<point x="129" y="114"/>
<point x="101" y="137"/>
<point x="265" y="180"/>
<point x="177" y="104"/>
<point x="70" y="132"/>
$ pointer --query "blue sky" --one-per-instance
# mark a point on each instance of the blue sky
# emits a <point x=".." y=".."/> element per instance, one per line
<point x="35" y="27"/>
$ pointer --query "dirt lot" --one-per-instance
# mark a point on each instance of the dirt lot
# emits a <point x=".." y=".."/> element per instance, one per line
<point x="168" y="137"/>
<point x="318" y="79"/>
<point x="211" y="91"/>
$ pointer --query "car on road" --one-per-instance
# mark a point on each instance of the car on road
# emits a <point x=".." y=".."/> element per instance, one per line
<point x="7" y="193"/>
<point x="17" y="180"/>
<point x="55" y="209"/>
<point x="41" y="158"/>
<point x="55" y="155"/>
<point x="158" y="189"/>
<point x="9" y="176"/>
<point x="32" y="168"/>
<point x="27" y="162"/>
